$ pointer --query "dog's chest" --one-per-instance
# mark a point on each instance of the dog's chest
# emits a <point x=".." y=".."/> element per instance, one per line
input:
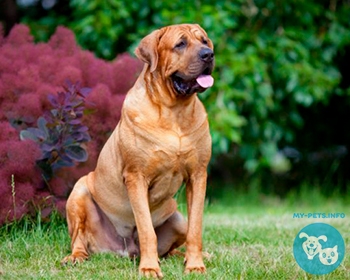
<point x="174" y="152"/>
<point x="168" y="166"/>
<point x="165" y="153"/>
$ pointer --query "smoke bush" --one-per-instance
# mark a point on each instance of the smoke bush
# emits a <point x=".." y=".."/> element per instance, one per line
<point x="29" y="72"/>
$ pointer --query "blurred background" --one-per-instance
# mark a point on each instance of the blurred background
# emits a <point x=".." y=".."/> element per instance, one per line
<point x="280" y="108"/>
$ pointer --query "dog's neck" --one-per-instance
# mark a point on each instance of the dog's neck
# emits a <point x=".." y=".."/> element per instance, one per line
<point x="160" y="105"/>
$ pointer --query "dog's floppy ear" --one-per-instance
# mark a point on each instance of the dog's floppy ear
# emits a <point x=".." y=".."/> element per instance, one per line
<point x="147" y="50"/>
<point x="323" y="237"/>
<point x="303" y="234"/>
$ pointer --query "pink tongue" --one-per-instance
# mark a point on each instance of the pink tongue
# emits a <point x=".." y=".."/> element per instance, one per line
<point x="205" y="81"/>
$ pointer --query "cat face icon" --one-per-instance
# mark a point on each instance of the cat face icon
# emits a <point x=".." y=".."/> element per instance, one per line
<point x="311" y="245"/>
<point x="329" y="256"/>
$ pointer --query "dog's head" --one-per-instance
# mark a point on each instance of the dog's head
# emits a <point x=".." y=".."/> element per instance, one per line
<point x="311" y="245"/>
<point x="182" y="54"/>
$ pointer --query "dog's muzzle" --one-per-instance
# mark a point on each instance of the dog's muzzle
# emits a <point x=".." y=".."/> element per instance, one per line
<point x="185" y="86"/>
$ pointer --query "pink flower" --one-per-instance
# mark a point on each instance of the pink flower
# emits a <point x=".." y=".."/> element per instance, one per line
<point x="19" y="35"/>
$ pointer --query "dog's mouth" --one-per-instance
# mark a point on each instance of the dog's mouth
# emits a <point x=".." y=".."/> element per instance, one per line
<point x="185" y="86"/>
<point x="311" y="250"/>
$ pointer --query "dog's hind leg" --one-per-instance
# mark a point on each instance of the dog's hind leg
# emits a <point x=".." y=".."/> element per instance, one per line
<point x="171" y="234"/>
<point x="89" y="228"/>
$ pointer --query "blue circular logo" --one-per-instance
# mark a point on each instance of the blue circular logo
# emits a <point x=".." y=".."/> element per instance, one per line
<point x="319" y="248"/>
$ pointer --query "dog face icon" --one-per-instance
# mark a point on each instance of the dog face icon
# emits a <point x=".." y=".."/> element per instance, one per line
<point x="311" y="245"/>
<point x="329" y="256"/>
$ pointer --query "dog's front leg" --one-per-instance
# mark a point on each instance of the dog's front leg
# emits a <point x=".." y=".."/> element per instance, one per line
<point x="138" y="196"/>
<point x="195" y="191"/>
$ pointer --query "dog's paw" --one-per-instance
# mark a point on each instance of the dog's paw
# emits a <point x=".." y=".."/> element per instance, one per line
<point x="74" y="259"/>
<point x="195" y="265"/>
<point x="150" y="269"/>
<point x="196" y="269"/>
<point x="151" y="272"/>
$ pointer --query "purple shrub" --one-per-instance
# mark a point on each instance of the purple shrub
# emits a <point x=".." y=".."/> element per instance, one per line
<point x="60" y="133"/>
<point x="29" y="72"/>
<point x="1" y="34"/>
<point x="17" y="159"/>
<point x="124" y="77"/>
<point x="19" y="36"/>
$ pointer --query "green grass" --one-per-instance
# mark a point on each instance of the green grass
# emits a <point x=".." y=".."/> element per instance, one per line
<point x="245" y="240"/>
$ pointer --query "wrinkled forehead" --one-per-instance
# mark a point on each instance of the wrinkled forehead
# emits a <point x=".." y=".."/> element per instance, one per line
<point x="174" y="33"/>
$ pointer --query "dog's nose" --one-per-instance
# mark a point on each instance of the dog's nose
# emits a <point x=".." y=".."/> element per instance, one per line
<point x="206" y="54"/>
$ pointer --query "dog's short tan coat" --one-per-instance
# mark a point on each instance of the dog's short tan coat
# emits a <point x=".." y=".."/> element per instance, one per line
<point x="162" y="140"/>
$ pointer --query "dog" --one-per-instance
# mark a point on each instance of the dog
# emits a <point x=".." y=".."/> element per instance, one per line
<point x="311" y="245"/>
<point x="126" y="205"/>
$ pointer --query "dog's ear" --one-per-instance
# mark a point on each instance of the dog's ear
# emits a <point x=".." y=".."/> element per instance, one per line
<point x="323" y="237"/>
<point x="303" y="234"/>
<point x="147" y="50"/>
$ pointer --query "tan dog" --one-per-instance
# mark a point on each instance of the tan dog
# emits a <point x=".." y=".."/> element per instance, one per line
<point x="162" y="140"/>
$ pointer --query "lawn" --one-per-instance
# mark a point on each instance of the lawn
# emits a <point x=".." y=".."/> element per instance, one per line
<point x="243" y="240"/>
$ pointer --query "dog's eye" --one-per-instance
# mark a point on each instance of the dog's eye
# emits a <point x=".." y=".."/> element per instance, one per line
<point x="180" y="44"/>
<point x="205" y="41"/>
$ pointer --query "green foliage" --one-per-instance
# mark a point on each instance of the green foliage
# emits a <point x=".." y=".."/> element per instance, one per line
<point x="108" y="26"/>
<point x="272" y="59"/>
